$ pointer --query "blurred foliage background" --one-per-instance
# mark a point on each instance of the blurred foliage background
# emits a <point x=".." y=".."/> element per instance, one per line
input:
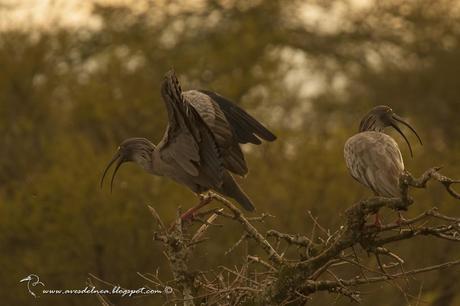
<point x="71" y="92"/>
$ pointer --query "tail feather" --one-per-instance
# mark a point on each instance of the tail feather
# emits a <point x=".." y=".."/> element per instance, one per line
<point x="231" y="189"/>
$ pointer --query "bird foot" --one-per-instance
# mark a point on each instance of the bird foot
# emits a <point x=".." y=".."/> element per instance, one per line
<point x="205" y="198"/>
<point x="185" y="218"/>
<point x="189" y="215"/>
<point x="377" y="221"/>
<point x="401" y="220"/>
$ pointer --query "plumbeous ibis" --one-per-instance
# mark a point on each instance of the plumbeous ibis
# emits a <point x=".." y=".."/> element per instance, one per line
<point x="372" y="157"/>
<point x="201" y="146"/>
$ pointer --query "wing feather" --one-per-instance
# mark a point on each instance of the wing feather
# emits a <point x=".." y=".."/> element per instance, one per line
<point x="375" y="160"/>
<point x="247" y="128"/>
<point x="188" y="140"/>
<point x="217" y="122"/>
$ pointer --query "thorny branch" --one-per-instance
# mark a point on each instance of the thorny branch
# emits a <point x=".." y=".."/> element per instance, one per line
<point x="278" y="280"/>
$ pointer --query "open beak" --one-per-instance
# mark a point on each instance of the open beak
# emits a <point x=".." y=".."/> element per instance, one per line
<point x="401" y="120"/>
<point x="117" y="158"/>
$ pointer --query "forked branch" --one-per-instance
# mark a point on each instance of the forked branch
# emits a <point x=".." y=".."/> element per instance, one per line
<point x="278" y="279"/>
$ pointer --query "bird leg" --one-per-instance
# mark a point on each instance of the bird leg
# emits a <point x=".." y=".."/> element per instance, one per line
<point x="400" y="219"/>
<point x="377" y="221"/>
<point x="205" y="199"/>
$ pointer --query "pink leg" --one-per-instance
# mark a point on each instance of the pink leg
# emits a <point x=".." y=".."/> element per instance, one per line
<point x="189" y="214"/>
<point x="400" y="219"/>
<point x="377" y="221"/>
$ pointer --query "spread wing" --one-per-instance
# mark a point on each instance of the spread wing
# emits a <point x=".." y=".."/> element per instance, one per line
<point x="246" y="128"/>
<point x="188" y="141"/>
<point x="217" y="122"/>
<point x="375" y="160"/>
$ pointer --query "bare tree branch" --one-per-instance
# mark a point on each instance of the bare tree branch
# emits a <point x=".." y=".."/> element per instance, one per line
<point x="275" y="278"/>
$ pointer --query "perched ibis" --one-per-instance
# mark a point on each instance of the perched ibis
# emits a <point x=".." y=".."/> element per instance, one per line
<point x="373" y="157"/>
<point x="201" y="146"/>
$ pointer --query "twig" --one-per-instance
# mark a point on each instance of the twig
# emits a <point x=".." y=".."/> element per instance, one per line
<point x="200" y="232"/>
<point x="262" y="262"/>
<point x="250" y="229"/>
<point x="157" y="218"/>
<point x="299" y="240"/>
<point x="102" y="299"/>
<point x="326" y="285"/>
<point x="234" y="246"/>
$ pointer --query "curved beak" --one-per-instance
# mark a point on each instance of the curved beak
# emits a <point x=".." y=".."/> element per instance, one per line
<point x="401" y="120"/>
<point x="120" y="160"/>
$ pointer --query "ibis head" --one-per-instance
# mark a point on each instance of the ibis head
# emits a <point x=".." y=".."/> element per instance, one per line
<point x="138" y="150"/>
<point x="383" y="116"/>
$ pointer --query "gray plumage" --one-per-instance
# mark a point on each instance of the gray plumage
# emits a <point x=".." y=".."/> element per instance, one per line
<point x="372" y="157"/>
<point x="201" y="144"/>
<point x="375" y="161"/>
